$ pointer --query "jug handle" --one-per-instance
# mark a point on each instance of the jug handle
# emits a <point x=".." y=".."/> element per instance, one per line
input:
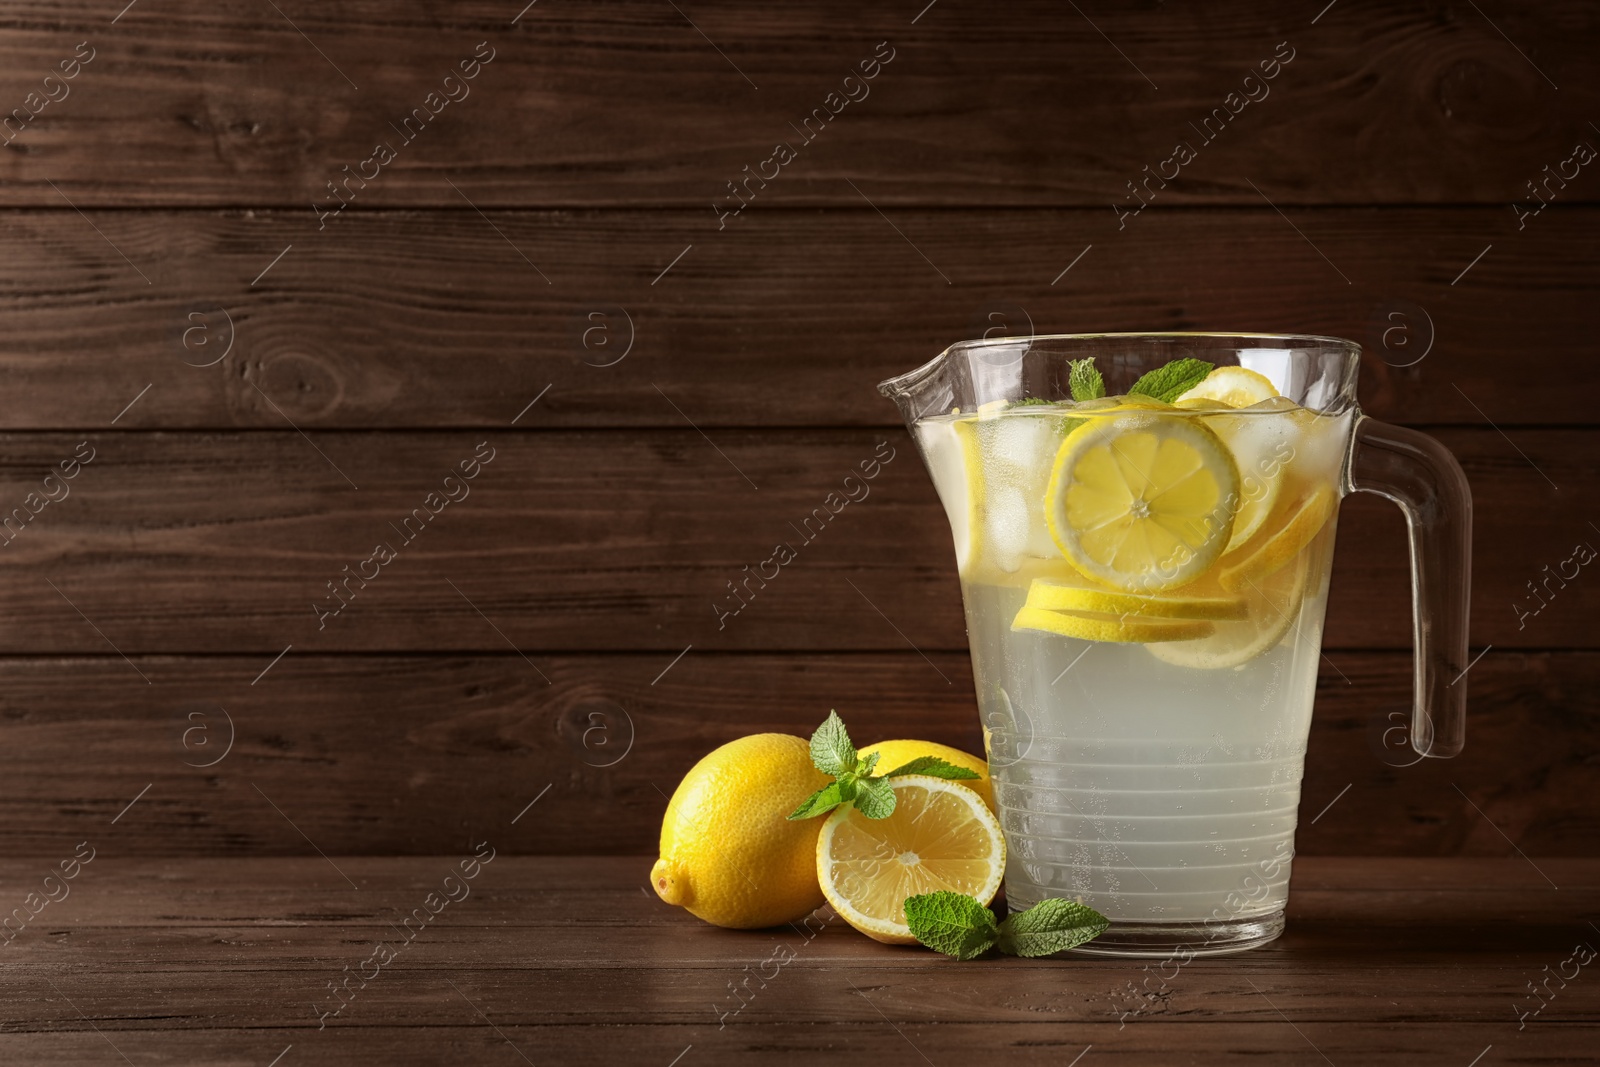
<point x="1419" y="474"/>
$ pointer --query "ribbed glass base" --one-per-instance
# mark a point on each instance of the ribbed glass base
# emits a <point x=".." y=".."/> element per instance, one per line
<point x="1147" y="940"/>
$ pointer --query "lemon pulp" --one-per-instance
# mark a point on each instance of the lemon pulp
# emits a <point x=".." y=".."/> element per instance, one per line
<point x="941" y="836"/>
<point x="1277" y="548"/>
<point x="1273" y="608"/>
<point x="1143" y="501"/>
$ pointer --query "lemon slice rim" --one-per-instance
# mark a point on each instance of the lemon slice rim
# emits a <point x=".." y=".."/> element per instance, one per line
<point x="1185" y="654"/>
<point x="964" y="431"/>
<point x="1244" y="532"/>
<point x="1251" y="515"/>
<point x="1228" y="381"/>
<point x="887" y="930"/>
<point x="1110" y="629"/>
<point x="1268" y="553"/>
<point x="1100" y="431"/>
<point x="1048" y="595"/>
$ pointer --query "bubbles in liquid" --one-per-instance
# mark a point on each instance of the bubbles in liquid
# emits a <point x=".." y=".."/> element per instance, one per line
<point x="1007" y="515"/>
<point x="1147" y="787"/>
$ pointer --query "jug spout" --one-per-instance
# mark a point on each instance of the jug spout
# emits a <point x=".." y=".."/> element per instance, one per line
<point x="964" y="376"/>
<point x="915" y="390"/>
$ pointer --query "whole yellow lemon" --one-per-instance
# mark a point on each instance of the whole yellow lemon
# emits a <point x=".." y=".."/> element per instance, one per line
<point x="892" y="754"/>
<point x="728" y="854"/>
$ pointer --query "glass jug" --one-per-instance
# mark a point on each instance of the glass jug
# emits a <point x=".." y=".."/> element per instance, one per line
<point x="1144" y="548"/>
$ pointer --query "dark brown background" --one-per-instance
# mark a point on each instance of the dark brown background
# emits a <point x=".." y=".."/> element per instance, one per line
<point x="140" y="213"/>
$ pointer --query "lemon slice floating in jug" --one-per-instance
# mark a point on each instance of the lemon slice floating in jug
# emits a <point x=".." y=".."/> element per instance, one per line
<point x="1237" y="387"/>
<point x="1262" y="447"/>
<point x="1248" y="436"/>
<point x="1142" y="501"/>
<point x="1089" y="614"/>
<point x="1100" y="626"/>
<point x="1274" y="605"/>
<point x="1062" y="596"/>
<point x="1273" y="550"/>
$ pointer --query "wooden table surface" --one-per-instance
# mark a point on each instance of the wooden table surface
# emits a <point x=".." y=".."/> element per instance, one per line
<point x="570" y="960"/>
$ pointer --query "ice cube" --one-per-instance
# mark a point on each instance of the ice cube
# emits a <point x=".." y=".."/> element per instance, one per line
<point x="1022" y="442"/>
<point x="1006" y="525"/>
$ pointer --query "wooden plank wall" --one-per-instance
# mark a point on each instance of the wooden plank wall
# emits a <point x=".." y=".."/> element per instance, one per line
<point x="546" y="277"/>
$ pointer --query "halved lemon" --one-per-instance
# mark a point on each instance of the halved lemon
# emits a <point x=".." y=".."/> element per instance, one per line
<point x="941" y="835"/>
<point x="1051" y="595"/>
<point x="1273" y="550"/>
<point x="1142" y="501"/>
<point x="1274" y="605"/>
<point x="1121" y="629"/>
<point x="1235" y="386"/>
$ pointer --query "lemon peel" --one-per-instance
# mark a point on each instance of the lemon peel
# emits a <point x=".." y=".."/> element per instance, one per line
<point x="1056" y="596"/>
<point x="1270" y="552"/>
<point x="1120" y="629"/>
<point x="1237" y="387"/>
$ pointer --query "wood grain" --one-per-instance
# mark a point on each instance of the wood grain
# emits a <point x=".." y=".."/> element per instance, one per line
<point x="229" y="103"/>
<point x="378" y="755"/>
<point x="586" y="540"/>
<point x="433" y="319"/>
<point x="801" y="1044"/>
<point x="221" y="961"/>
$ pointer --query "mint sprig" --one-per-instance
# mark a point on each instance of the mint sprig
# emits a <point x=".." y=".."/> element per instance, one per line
<point x="823" y="800"/>
<point x="1085" y="381"/>
<point x="952" y="923"/>
<point x="831" y="749"/>
<point x="853" y="781"/>
<point x="874" y="798"/>
<point x="1050" y="926"/>
<point x="930" y="765"/>
<point x="959" y="926"/>
<point x="1168" y="383"/>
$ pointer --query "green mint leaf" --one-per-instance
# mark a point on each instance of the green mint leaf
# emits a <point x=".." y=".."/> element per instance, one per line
<point x="1085" y="381"/>
<point x="1170" y="382"/>
<point x="935" y="766"/>
<point x="831" y="749"/>
<point x="1032" y="401"/>
<point x="867" y="763"/>
<point x="952" y="923"/>
<point x="1050" y="926"/>
<point x="821" y="802"/>
<point x="874" y="798"/>
<point x="847" y="788"/>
